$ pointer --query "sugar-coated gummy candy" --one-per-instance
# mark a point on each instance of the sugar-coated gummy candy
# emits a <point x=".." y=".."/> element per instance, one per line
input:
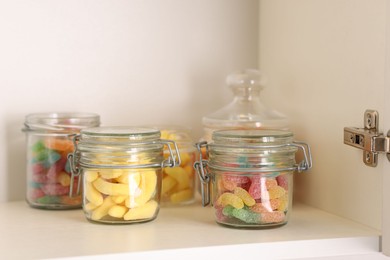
<point x="246" y="215"/>
<point x="273" y="217"/>
<point x="244" y="195"/>
<point x="283" y="181"/>
<point x="283" y="203"/>
<point x="260" y="208"/>
<point x="59" y="144"/>
<point x="49" y="200"/>
<point x="228" y="198"/>
<point x="146" y="211"/>
<point x="35" y="193"/>
<point x="91" y="176"/>
<point x="75" y="200"/>
<point x="55" y="189"/>
<point x="276" y="192"/>
<point x="270" y="183"/>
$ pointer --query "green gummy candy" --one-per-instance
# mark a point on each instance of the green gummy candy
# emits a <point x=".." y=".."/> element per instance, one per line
<point x="38" y="147"/>
<point x="35" y="185"/>
<point x="246" y="216"/>
<point x="49" y="200"/>
<point x="228" y="210"/>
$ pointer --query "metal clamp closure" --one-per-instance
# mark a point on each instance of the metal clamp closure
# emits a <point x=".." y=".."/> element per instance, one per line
<point x="174" y="157"/>
<point x="204" y="176"/>
<point x="73" y="159"/>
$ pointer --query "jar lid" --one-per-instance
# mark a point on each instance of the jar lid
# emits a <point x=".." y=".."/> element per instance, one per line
<point x="60" y="121"/>
<point x="252" y="137"/>
<point x="120" y="133"/>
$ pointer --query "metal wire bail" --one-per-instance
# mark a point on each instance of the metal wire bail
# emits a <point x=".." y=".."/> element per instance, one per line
<point x="73" y="159"/>
<point x="204" y="176"/>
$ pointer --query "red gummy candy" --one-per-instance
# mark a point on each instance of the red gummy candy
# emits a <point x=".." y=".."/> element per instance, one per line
<point x="255" y="190"/>
<point x="34" y="194"/>
<point x="39" y="177"/>
<point x="55" y="189"/>
<point x="236" y="179"/>
<point x="37" y="168"/>
<point x="283" y="181"/>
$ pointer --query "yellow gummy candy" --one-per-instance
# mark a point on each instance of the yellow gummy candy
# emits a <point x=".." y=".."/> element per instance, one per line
<point x="110" y="188"/>
<point x="228" y="198"/>
<point x="283" y="205"/>
<point x="90" y="206"/>
<point x="92" y="195"/>
<point x="90" y="176"/>
<point x="145" y="191"/>
<point x="117" y="211"/>
<point x="244" y="195"/>
<point x="118" y="199"/>
<point x="64" y="179"/>
<point x="110" y="173"/>
<point x="181" y="196"/>
<point x="148" y="210"/>
<point x="276" y="192"/>
<point x="103" y="209"/>
<point x="185" y="158"/>
<point x="130" y="177"/>
<point x="180" y="175"/>
<point x="167" y="184"/>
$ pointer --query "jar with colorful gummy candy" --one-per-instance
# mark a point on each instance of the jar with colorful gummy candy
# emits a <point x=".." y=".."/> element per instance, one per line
<point x="178" y="183"/>
<point x="249" y="176"/>
<point x="122" y="172"/>
<point x="49" y="141"/>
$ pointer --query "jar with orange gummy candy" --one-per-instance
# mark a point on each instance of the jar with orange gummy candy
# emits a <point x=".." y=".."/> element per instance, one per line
<point x="121" y="169"/>
<point x="249" y="176"/>
<point x="178" y="184"/>
<point x="49" y="141"/>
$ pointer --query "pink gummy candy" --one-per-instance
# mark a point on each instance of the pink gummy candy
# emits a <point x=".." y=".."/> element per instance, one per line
<point x="55" y="189"/>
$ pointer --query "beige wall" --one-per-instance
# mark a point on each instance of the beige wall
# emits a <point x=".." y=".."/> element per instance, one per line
<point x="132" y="62"/>
<point x="326" y="65"/>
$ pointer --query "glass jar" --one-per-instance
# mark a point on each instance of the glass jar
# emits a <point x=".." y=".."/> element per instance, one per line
<point x="245" y="111"/>
<point x="178" y="184"/>
<point x="122" y="170"/>
<point x="49" y="140"/>
<point x="250" y="174"/>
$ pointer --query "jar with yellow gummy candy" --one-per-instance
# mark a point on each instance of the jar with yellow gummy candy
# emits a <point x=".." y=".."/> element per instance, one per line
<point x="122" y="172"/>
<point x="248" y="176"/>
<point x="178" y="184"/>
<point x="49" y="141"/>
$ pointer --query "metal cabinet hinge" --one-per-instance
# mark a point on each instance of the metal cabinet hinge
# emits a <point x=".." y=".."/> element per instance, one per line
<point x="369" y="139"/>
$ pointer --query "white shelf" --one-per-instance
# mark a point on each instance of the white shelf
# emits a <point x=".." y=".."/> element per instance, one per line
<point x="28" y="233"/>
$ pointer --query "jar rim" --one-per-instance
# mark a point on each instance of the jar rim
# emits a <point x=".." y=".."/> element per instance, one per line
<point x="252" y="136"/>
<point x="60" y="121"/>
<point x="130" y="133"/>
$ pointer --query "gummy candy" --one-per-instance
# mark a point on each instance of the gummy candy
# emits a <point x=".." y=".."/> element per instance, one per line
<point x="92" y="195"/>
<point x="145" y="191"/>
<point x="147" y="211"/>
<point x="117" y="211"/>
<point x="276" y="192"/>
<point x="273" y="217"/>
<point x="103" y="209"/>
<point x="283" y="181"/>
<point x="244" y="195"/>
<point x="49" y="200"/>
<point x="228" y="198"/>
<point x="183" y="195"/>
<point x="55" y="189"/>
<point x="110" y="188"/>
<point x="242" y="214"/>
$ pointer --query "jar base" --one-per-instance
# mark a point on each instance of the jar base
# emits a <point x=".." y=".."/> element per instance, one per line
<point x="248" y="226"/>
<point x="53" y="206"/>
